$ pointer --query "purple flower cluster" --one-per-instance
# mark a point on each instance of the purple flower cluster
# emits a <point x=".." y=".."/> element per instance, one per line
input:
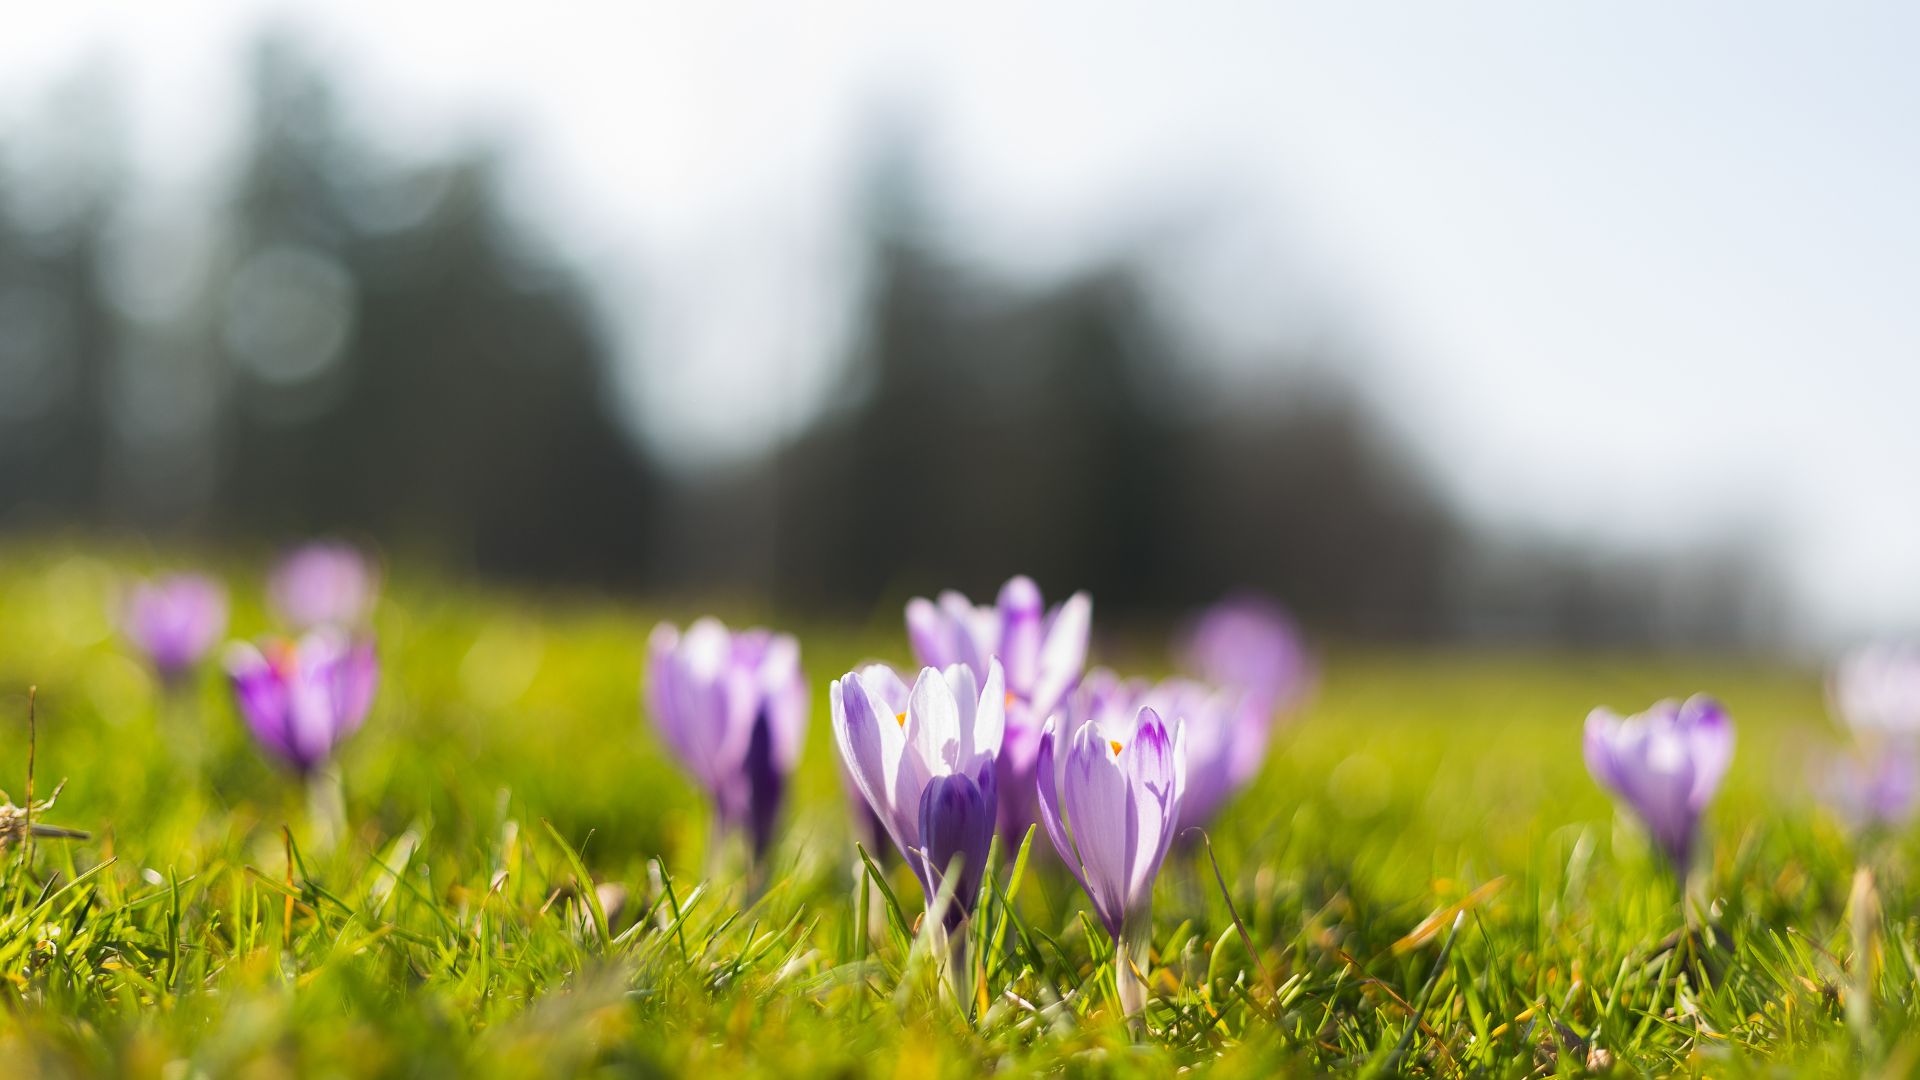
<point x="1004" y="724"/>
<point x="299" y="699"/>
<point x="1042" y="652"/>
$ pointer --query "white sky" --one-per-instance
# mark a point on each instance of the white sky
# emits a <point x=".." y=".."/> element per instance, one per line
<point x="1634" y="270"/>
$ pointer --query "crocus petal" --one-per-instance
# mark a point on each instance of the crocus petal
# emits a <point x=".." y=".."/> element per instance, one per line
<point x="966" y="703"/>
<point x="1148" y="762"/>
<point x="1597" y="748"/>
<point x="355" y="673"/>
<point x="1096" y="793"/>
<point x="861" y="736"/>
<point x="990" y="719"/>
<point x="956" y="818"/>
<point x="783" y="687"/>
<point x="1709" y="734"/>
<point x="933" y="723"/>
<point x="930" y="634"/>
<point x="1063" y="654"/>
<point x="1021" y="611"/>
<point x="1051" y="775"/>
<point x="262" y="696"/>
<point x="887" y="689"/>
<point x="765" y="783"/>
<point x="973" y="632"/>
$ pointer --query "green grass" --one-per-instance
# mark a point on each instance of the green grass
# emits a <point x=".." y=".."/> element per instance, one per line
<point x="1424" y="840"/>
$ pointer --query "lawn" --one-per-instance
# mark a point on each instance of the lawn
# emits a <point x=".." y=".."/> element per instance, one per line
<point x="1427" y="879"/>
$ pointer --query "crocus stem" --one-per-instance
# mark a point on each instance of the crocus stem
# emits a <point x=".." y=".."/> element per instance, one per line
<point x="950" y="947"/>
<point x="1693" y="899"/>
<point x="186" y="739"/>
<point x="719" y="840"/>
<point x="1130" y="963"/>
<point x="326" y="808"/>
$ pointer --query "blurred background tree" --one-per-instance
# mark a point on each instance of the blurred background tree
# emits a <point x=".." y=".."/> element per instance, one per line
<point x="351" y="342"/>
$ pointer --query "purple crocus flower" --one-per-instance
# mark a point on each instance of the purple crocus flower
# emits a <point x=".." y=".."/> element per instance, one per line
<point x="1042" y="653"/>
<point x="1665" y="763"/>
<point x="1876" y="690"/>
<point x="300" y="700"/>
<point x="323" y="583"/>
<point x="1226" y="738"/>
<point x="1248" y="642"/>
<point x="1110" y="793"/>
<point x="1874" y="791"/>
<point x="733" y="707"/>
<point x="175" y="620"/>
<point x="924" y="759"/>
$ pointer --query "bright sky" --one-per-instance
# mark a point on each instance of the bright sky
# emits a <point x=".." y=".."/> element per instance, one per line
<point x="1634" y="270"/>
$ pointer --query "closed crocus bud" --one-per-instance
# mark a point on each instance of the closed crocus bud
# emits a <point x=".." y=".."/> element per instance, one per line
<point x="300" y="700"/>
<point x="956" y="819"/>
<point x="323" y="583"/>
<point x="1876" y="691"/>
<point x="1665" y="764"/>
<point x="924" y="759"/>
<point x="733" y="708"/>
<point x="1042" y="653"/>
<point x="175" y="620"/>
<point x="1110" y="793"/>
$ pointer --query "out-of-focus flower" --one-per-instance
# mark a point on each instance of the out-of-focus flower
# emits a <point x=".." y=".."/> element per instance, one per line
<point x="924" y="759"/>
<point x="1665" y="763"/>
<point x="323" y="583"/>
<point x="1876" y="690"/>
<point x="1110" y="793"/>
<point x="1248" y="642"/>
<point x="1226" y="740"/>
<point x="301" y="699"/>
<point x="175" y="620"/>
<point x="733" y="707"/>
<point x="1880" y="790"/>
<point x="1041" y="652"/>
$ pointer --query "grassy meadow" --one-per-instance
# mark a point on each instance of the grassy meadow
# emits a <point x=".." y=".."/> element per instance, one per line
<point x="1423" y="881"/>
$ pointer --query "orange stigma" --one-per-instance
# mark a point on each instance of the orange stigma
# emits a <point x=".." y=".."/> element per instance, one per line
<point x="902" y="718"/>
<point x="1115" y="743"/>
<point x="282" y="656"/>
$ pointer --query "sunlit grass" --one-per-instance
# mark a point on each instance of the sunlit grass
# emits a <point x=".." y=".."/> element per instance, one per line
<point x="1423" y="841"/>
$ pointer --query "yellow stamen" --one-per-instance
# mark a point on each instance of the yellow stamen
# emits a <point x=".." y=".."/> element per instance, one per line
<point x="1115" y="743"/>
<point x="902" y="717"/>
<point x="1012" y="700"/>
